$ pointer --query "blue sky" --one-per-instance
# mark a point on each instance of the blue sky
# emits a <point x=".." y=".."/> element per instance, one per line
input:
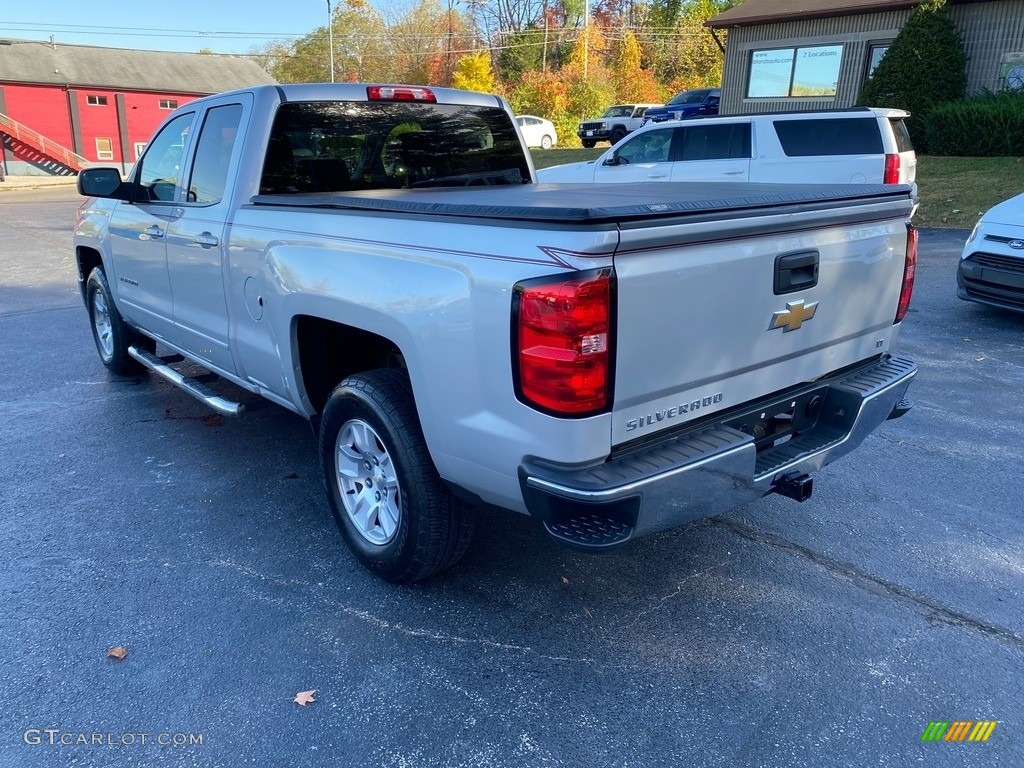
<point x="226" y="26"/>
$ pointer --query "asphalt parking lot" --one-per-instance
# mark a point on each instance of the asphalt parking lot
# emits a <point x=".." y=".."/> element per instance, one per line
<point x="828" y="633"/>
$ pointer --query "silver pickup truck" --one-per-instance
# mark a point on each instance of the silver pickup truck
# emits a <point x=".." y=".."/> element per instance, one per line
<point x="611" y="360"/>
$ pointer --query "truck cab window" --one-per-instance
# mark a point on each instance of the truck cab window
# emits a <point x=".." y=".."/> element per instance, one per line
<point x="213" y="154"/>
<point x="344" y="146"/>
<point x="160" y="167"/>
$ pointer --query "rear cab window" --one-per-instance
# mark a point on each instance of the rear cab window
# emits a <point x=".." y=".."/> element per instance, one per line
<point x="340" y="146"/>
<point x="821" y="137"/>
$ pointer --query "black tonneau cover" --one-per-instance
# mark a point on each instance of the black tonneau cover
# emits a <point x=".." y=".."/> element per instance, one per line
<point x="593" y="203"/>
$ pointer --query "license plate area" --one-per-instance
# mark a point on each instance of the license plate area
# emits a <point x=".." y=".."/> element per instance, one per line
<point x="776" y="423"/>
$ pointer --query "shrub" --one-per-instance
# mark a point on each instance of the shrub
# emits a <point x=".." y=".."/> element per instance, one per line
<point x="564" y="98"/>
<point x="990" y="125"/>
<point x="925" y="66"/>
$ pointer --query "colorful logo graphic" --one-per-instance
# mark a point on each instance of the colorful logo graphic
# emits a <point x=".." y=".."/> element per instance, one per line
<point x="959" y="730"/>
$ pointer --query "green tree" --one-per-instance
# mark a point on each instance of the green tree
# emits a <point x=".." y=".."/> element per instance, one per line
<point x="473" y="73"/>
<point x="925" y="66"/>
<point x="523" y="51"/>
<point x="689" y="57"/>
<point x="305" y="61"/>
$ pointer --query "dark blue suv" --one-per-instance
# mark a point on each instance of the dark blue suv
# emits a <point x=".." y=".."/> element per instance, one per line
<point x="686" y="104"/>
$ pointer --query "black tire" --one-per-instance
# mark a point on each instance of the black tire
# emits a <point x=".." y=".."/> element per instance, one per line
<point x="588" y="143"/>
<point x="113" y="341"/>
<point x="433" y="529"/>
<point x="617" y="135"/>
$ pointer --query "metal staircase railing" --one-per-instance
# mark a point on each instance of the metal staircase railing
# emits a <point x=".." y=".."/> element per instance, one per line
<point x="40" y="143"/>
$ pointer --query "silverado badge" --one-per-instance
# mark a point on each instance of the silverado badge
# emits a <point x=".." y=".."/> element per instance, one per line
<point x="793" y="316"/>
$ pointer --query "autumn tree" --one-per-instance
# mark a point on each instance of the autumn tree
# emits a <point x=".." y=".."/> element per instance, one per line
<point x="473" y="73"/>
<point x="427" y="41"/>
<point x="362" y="51"/>
<point x="632" y="82"/>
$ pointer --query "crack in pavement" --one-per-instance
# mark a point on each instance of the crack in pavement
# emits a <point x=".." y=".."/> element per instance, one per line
<point x="678" y="591"/>
<point x="23" y="312"/>
<point x="932" y="609"/>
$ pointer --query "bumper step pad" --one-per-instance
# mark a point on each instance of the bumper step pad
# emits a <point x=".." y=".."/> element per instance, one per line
<point x="590" y="531"/>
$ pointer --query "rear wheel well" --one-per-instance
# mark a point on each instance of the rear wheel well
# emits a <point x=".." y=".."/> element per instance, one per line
<point x="330" y="351"/>
<point x="88" y="259"/>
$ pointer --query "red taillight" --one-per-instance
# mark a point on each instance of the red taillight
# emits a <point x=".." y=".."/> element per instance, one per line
<point x="563" y="343"/>
<point x="399" y="93"/>
<point x="892" y="170"/>
<point x="909" y="266"/>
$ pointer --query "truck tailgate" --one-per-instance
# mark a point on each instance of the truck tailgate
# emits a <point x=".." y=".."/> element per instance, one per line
<point x="715" y="314"/>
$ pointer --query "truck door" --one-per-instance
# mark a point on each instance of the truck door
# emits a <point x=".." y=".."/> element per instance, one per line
<point x="138" y="229"/>
<point x="196" y="238"/>
<point x="712" y="152"/>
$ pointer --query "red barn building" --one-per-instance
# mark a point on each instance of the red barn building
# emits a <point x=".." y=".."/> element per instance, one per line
<point x="63" y="107"/>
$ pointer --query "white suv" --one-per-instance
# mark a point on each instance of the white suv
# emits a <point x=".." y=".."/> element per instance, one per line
<point x="615" y="123"/>
<point x="857" y="145"/>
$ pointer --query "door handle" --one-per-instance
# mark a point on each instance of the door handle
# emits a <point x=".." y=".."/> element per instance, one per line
<point x="206" y="240"/>
<point x="658" y="176"/>
<point x="731" y="173"/>
<point x="154" y="232"/>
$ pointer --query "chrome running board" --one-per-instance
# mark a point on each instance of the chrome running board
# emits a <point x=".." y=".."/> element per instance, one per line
<point x="197" y="389"/>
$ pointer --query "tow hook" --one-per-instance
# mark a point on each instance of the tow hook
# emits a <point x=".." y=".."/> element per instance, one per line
<point x="794" y="486"/>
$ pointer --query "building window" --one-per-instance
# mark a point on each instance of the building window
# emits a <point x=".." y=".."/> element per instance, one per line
<point x="794" y="72"/>
<point x="875" y="54"/>
<point x="104" y="149"/>
<point x="96" y="101"/>
<point x="168" y="103"/>
<point x="140" y="147"/>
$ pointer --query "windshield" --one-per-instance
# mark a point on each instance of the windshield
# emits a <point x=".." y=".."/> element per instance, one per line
<point x="340" y="146"/>
<point x="689" y="97"/>
<point x="619" y="111"/>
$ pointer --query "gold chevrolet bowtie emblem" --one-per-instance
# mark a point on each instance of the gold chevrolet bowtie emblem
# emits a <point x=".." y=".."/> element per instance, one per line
<point x="793" y="316"/>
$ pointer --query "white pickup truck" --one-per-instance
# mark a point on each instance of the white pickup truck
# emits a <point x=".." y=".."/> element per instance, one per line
<point x="611" y="360"/>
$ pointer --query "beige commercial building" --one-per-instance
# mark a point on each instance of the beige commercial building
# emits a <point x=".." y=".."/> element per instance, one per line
<point x="783" y="55"/>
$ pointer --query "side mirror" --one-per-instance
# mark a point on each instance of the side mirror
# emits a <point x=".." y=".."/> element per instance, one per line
<point x="616" y="160"/>
<point x="102" y="182"/>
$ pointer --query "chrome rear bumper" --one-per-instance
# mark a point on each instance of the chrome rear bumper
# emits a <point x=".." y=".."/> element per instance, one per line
<point x="710" y="470"/>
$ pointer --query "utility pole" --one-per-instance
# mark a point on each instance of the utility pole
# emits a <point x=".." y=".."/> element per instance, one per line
<point x="586" y="36"/>
<point x="330" y="36"/>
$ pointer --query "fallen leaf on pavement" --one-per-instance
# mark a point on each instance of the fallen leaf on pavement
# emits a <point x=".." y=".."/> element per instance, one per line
<point x="565" y="581"/>
<point x="117" y="652"/>
<point x="587" y="611"/>
<point x="302" y="698"/>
